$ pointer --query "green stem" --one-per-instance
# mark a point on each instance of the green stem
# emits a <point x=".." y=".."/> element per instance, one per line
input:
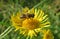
<point x="16" y="2"/>
<point x="27" y="37"/>
<point x="5" y="31"/>
<point x="39" y="4"/>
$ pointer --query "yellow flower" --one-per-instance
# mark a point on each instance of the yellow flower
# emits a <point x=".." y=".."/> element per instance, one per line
<point x="48" y="35"/>
<point x="30" y="26"/>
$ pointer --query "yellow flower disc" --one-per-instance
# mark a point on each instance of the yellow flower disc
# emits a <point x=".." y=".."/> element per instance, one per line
<point x="30" y="24"/>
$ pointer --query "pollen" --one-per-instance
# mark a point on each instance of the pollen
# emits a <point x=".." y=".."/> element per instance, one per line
<point x="30" y="24"/>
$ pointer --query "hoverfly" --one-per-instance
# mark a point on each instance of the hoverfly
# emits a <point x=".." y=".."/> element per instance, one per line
<point x="27" y="15"/>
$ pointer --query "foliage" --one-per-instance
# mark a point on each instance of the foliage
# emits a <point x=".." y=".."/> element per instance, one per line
<point x="50" y="7"/>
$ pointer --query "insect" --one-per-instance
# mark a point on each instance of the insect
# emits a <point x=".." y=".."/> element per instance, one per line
<point x="27" y="15"/>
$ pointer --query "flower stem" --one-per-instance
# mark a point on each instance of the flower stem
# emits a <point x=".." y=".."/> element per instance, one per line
<point x="27" y="37"/>
<point x="39" y="4"/>
<point x="5" y="31"/>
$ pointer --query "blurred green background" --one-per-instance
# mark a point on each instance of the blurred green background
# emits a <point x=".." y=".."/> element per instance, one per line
<point x="50" y="7"/>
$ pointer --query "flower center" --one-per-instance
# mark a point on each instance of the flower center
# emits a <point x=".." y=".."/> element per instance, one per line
<point x="30" y="24"/>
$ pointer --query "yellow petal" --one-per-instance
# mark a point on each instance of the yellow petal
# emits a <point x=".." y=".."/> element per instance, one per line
<point x="31" y="33"/>
<point x="48" y="35"/>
